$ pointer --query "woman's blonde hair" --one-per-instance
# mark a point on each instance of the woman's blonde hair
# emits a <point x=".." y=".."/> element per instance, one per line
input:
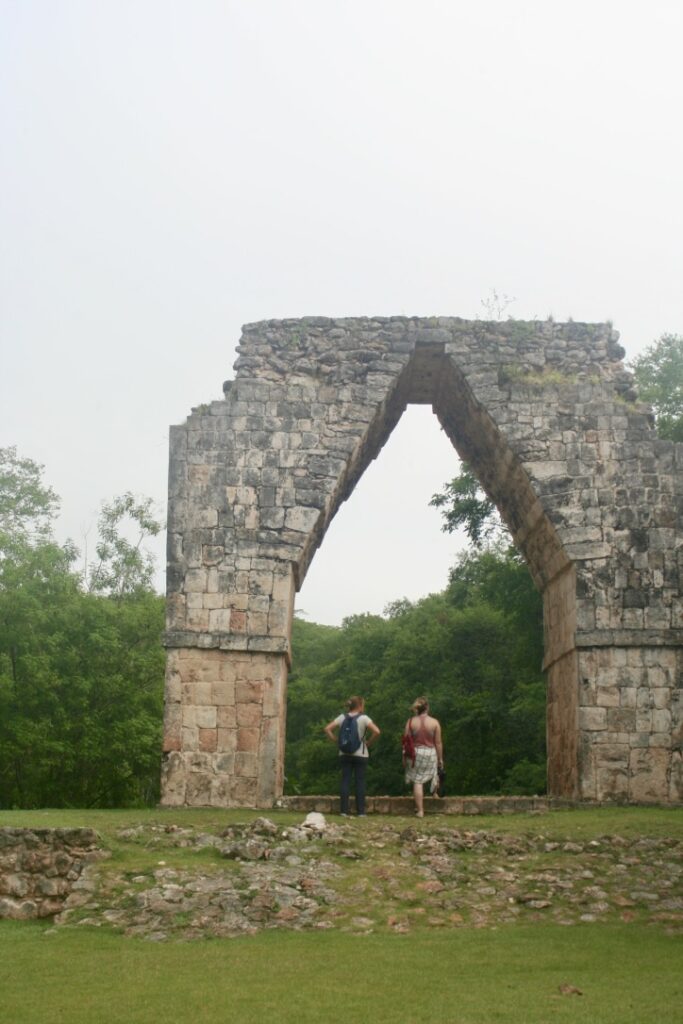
<point x="353" y="703"/>
<point x="420" y="705"/>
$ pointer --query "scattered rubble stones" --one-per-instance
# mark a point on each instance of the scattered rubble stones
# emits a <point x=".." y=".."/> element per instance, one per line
<point x="40" y="867"/>
<point x="378" y="875"/>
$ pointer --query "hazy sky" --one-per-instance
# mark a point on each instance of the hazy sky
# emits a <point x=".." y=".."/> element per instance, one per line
<point x="170" y="171"/>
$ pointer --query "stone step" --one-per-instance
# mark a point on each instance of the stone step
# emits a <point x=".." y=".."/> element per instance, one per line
<point x="403" y="805"/>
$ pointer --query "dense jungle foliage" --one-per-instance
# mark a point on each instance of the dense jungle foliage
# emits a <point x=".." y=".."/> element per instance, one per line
<point x="475" y="650"/>
<point x="81" y="663"/>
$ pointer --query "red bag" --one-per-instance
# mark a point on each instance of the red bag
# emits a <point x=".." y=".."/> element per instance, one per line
<point x="408" y="746"/>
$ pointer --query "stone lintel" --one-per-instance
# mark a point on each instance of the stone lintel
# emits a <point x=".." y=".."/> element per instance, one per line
<point x="226" y="642"/>
<point x="629" y="638"/>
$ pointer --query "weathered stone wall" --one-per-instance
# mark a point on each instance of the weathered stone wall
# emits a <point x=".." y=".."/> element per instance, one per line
<point x="40" y="867"/>
<point x="546" y="415"/>
<point x="228" y="710"/>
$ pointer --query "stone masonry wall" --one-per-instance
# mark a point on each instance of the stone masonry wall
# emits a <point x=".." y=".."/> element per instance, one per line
<point x="40" y="867"/>
<point x="228" y="710"/>
<point x="547" y="417"/>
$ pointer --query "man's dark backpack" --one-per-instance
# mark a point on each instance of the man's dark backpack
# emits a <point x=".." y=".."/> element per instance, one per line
<point x="349" y="738"/>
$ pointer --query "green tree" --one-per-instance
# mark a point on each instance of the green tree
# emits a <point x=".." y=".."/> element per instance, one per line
<point x="464" y="504"/>
<point x="464" y="648"/>
<point x="124" y="566"/>
<point x="81" y="673"/>
<point x="27" y="506"/>
<point x="659" y="375"/>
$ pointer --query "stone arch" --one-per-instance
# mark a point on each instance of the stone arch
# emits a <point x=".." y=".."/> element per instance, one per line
<point x="546" y="415"/>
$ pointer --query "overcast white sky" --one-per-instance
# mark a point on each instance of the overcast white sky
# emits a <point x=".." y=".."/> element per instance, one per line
<point x="172" y="170"/>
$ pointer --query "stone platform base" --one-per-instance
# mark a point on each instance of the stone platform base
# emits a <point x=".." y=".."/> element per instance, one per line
<point x="447" y="805"/>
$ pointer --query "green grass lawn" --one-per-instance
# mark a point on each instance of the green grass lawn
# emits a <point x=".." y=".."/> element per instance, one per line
<point x="583" y="823"/>
<point x="627" y="976"/>
<point x="628" y="973"/>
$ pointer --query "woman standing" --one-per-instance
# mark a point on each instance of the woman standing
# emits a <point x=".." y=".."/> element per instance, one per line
<point x="424" y="767"/>
<point x="355" y="761"/>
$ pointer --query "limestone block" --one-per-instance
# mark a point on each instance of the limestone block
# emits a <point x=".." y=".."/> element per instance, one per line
<point x="271" y="756"/>
<point x="249" y="715"/>
<point x="18" y="910"/>
<point x="621" y="719"/>
<point x="198" y="762"/>
<point x="660" y="696"/>
<point x="226" y="743"/>
<point x="173" y="780"/>
<point x="53" y="886"/>
<point x="238" y="621"/>
<point x="202" y="692"/>
<point x="234" y="642"/>
<point x="205" y="716"/>
<point x="592" y="719"/>
<point x="196" y="581"/>
<point x="244" y="791"/>
<point x="627" y="695"/>
<point x="197" y="619"/>
<point x="248" y="740"/>
<point x="640" y="739"/>
<point x="645" y="698"/>
<point x="275" y="692"/>
<point x="611" y="782"/>
<point x="260" y="585"/>
<point x="657" y="617"/>
<point x="200" y="667"/>
<point x="676" y="779"/>
<point x="269" y="644"/>
<point x="250" y="690"/>
<point x="207" y="740"/>
<point x="278" y="621"/>
<point x="643" y="720"/>
<point x="220" y="620"/>
<point x="257" y="623"/>
<point x="189" y="734"/>
<point x="212" y="554"/>
<point x="301" y="519"/>
<point x="222" y="693"/>
<point x="649" y="769"/>
<point x="226" y="716"/>
<point x="246" y="764"/>
<point x="221" y="789"/>
<point x="611" y="754"/>
<point x="13" y="885"/>
<point x="608" y="696"/>
<point x="173" y="719"/>
<point x="176" y="605"/>
<point x="189" y="738"/>
<point x="661" y="720"/>
<point x="198" y="789"/>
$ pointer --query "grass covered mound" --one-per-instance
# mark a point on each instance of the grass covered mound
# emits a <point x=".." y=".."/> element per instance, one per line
<point x="566" y="916"/>
<point x="202" y="874"/>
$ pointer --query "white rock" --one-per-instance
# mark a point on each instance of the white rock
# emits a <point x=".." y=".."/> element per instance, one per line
<point x="316" y="821"/>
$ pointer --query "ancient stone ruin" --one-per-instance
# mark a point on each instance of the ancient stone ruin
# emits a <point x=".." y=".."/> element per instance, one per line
<point x="547" y="417"/>
<point x="40" y="868"/>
